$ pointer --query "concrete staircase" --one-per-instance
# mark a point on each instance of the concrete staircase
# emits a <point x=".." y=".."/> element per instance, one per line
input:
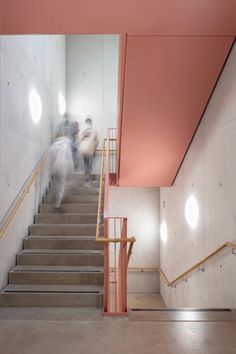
<point x="60" y="265"/>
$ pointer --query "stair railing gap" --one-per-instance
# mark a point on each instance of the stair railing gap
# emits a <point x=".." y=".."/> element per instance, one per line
<point x="10" y="214"/>
<point x="114" y="238"/>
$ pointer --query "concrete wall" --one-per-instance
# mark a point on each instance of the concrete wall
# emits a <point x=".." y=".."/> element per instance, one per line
<point x="141" y="206"/>
<point x="26" y="62"/>
<point x="91" y="80"/>
<point x="208" y="173"/>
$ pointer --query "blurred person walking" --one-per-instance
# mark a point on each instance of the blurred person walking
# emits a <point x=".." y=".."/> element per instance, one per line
<point x="74" y="130"/>
<point x="88" y="142"/>
<point x="63" y="128"/>
<point x="61" y="164"/>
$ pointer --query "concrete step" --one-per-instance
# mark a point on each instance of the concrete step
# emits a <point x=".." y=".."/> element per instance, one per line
<point x="63" y="229"/>
<point x="69" y="208"/>
<point x="60" y="257"/>
<point x="35" y="288"/>
<point x="77" y="181"/>
<point x="54" y="276"/>
<point x="64" y="242"/>
<point x="80" y="177"/>
<point x="53" y="268"/>
<point x="48" y="199"/>
<point x="75" y="190"/>
<point x="65" y="218"/>
<point x="51" y="296"/>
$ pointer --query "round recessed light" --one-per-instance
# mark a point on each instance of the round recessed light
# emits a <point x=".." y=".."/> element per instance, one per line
<point x="163" y="231"/>
<point x="61" y="104"/>
<point x="192" y="212"/>
<point x="35" y="105"/>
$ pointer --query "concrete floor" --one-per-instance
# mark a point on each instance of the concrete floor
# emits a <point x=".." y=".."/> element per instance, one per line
<point x="74" y="331"/>
<point x="145" y="301"/>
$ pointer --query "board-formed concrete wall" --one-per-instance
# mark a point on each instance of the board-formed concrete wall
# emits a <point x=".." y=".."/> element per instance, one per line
<point x="209" y="175"/>
<point x="91" y="82"/>
<point x="141" y="207"/>
<point x="27" y="62"/>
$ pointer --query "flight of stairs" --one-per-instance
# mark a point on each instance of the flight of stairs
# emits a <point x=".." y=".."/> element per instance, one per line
<point x="60" y="265"/>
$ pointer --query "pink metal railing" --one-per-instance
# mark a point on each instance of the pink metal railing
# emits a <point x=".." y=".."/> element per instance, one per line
<point x="114" y="236"/>
<point x="115" y="266"/>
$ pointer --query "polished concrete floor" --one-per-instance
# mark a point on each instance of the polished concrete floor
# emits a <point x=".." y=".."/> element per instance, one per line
<point x="141" y="301"/>
<point x="145" y="301"/>
<point x="75" y="331"/>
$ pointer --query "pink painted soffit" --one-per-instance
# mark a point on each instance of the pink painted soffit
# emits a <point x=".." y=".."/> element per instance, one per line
<point x="167" y="84"/>
<point x="182" y="17"/>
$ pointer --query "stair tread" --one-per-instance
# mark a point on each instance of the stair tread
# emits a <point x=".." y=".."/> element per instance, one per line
<point x="77" y="186"/>
<point x="67" y="214"/>
<point x="63" y="225"/>
<point x="48" y="268"/>
<point x="63" y="237"/>
<point x="73" y="199"/>
<point x="60" y="237"/>
<point x="80" y="191"/>
<point x="59" y="251"/>
<point x="52" y="288"/>
<point x="78" y="204"/>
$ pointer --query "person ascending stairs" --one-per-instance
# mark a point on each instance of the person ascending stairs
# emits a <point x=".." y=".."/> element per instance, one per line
<point x="88" y="142"/>
<point x="61" y="164"/>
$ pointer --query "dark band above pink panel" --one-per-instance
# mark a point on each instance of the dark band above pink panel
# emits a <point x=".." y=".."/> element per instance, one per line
<point x="168" y="81"/>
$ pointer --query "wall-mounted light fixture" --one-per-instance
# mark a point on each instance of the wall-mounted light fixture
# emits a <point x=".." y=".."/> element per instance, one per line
<point x="192" y="212"/>
<point x="163" y="232"/>
<point x="61" y="104"/>
<point x="35" y="105"/>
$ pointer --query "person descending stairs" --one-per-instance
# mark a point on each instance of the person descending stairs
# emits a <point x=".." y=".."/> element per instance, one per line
<point x="60" y="265"/>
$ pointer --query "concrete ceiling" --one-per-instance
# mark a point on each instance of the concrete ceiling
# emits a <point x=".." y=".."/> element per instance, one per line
<point x="172" y="17"/>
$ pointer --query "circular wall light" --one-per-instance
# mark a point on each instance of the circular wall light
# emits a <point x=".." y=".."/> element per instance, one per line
<point x="35" y="105"/>
<point x="61" y="104"/>
<point x="192" y="212"/>
<point x="163" y="231"/>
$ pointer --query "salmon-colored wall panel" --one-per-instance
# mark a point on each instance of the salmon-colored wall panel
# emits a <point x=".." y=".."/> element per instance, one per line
<point x="119" y="16"/>
<point x="167" y="84"/>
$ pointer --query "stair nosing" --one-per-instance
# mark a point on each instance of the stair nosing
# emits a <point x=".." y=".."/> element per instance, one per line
<point x="58" y="237"/>
<point x="61" y="214"/>
<point x="67" y="251"/>
<point x="63" y="224"/>
<point x="55" y="268"/>
<point x="46" y="288"/>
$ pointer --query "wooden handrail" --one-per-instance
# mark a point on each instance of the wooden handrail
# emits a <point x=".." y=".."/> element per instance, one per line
<point x="23" y="194"/>
<point x="189" y="270"/>
<point x="198" y="264"/>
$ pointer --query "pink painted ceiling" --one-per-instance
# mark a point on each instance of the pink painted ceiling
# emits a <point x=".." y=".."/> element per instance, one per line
<point x="119" y="16"/>
<point x="168" y="81"/>
<point x="171" y="67"/>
